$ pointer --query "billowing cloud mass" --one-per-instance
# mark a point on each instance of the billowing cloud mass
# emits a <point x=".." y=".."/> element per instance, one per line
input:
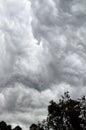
<point x="42" y="55"/>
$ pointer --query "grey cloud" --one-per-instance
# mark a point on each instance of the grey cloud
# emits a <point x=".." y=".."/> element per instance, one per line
<point x="42" y="54"/>
<point x="62" y="41"/>
<point x="16" y="38"/>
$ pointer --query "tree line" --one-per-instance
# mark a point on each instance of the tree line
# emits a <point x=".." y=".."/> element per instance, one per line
<point x="4" y="126"/>
<point x="66" y="114"/>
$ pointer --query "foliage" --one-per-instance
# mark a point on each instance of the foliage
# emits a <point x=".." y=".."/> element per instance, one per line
<point x="4" y="126"/>
<point x="67" y="114"/>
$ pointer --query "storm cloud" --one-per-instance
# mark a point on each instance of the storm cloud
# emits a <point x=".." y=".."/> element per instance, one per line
<point x="42" y="55"/>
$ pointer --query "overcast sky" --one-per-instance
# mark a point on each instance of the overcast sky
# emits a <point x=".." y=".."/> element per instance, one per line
<point x="42" y="55"/>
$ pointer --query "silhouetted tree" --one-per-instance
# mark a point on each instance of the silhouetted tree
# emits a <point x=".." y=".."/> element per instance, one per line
<point x="83" y="112"/>
<point x="17" y="128"/>
<point x="33" y="127"/>
<point x="3" y="125"/>
<point x="36" y="127"/>
<point x="9" y="127"/>
<point x="67" y="114"/>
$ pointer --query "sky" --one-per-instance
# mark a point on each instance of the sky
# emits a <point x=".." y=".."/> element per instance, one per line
<point x="42" y="55"/>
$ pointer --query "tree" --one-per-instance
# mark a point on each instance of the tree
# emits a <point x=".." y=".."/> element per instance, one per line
<point x="9" y="127"/>
<point x="17" y="128"/>
<point x="33" y="127"/>
<point x="67" y="114"/>
<point x="36" y="127"/>
<point x="83" y="111"/>
<point x="3" y="125"/>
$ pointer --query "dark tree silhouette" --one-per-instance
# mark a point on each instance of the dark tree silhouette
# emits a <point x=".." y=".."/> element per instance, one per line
<point x="33" y="127"/>
<point x="36" y="127"/>
<point x="3" y="125"/>
<point x="67" y="114"/>
<point x="17" y="128"/>
<point x="9" y="127"/>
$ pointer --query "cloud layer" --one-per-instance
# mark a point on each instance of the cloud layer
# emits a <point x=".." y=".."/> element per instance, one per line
<point x="42" y="55"/>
